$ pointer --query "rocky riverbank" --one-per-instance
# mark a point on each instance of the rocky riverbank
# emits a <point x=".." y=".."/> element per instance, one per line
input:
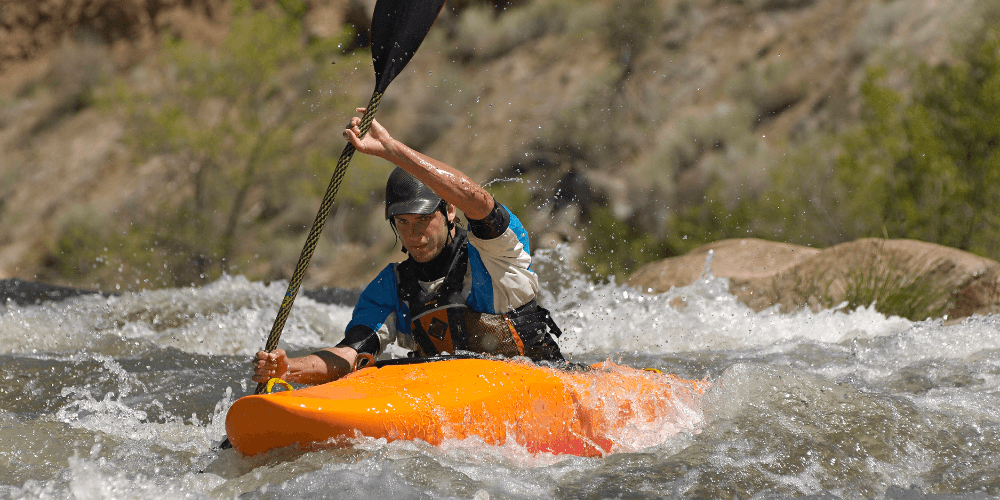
<point x="628" y="129"/>
<point x="905" y="277"/>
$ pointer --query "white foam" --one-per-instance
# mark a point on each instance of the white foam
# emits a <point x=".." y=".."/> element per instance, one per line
<point x="611" y="318"/>
<point x="229" y="316"/>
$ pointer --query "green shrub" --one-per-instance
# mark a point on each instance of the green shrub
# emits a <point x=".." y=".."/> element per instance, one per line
<point x="717" y="216"/>
<point x="928" y="167"/>
<point x="483" y="34"/>
<point x="512" y="193"/>
<point x="238" y="127"/>
<point x="616" y="248"/>
<point x="882" y="279"/>
<point x="91" y="251"/>
<point x="764" y="88"/>
<point x="920" y="165"/>
<point x="75" y="70"/>
<point x="630" y="27"/>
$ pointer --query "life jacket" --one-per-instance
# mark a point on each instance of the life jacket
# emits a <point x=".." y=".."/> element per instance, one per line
<point x="440" y="320"/>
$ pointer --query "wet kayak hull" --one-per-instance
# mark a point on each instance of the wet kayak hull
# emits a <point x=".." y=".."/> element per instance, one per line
<point x="543" y="409"/>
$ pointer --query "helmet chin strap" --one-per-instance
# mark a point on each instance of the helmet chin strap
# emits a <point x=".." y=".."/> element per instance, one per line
<point x="448" y="222"/>
<point x="392" y="224"/>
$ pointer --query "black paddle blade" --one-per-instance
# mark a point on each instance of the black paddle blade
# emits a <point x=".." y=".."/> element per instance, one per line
<point x="398" y="28"/>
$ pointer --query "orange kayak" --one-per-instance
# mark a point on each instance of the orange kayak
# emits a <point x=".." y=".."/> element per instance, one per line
<point x="605" y="409"/>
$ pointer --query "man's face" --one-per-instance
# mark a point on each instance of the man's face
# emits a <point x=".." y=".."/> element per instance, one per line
<point x="424" y="235"/>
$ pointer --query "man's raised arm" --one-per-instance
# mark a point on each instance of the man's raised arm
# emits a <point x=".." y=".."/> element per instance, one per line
<point x="448" y="182"/>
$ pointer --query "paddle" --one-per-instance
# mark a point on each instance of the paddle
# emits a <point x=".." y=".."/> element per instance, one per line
<point x="398" y="28"/>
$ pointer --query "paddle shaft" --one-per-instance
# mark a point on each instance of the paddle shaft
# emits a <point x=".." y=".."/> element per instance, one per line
<point x="317" y="227"/>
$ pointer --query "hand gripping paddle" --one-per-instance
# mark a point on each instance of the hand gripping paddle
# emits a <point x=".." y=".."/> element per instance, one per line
<point x="398" y="28"/>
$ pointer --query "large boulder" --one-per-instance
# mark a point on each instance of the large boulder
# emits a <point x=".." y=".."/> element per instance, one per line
<point x="903" y="277"/>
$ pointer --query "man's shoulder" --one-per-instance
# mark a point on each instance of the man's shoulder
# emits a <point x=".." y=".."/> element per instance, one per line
<point x="519" y="230"/>
<point x="493" y="225"/>
<point x="385" y="280"/>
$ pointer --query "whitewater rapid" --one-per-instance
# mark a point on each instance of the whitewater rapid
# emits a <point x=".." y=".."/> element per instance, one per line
<point x="124" y="397"/>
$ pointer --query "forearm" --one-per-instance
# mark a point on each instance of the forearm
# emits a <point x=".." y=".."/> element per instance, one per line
<point x="321" y="367"/>
<point x="448" y="182"/>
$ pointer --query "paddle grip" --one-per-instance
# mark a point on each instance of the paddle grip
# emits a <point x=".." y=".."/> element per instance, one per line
<point x="317" y="227"/>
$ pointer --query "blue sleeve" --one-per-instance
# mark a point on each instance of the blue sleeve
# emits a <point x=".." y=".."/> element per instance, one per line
<point x="520" y="231"/>
<point x="481" y="297"/>
<point x="378" y="301"/>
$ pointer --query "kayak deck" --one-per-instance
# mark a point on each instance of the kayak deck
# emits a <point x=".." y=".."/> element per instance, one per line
<point x="583" y="413"/>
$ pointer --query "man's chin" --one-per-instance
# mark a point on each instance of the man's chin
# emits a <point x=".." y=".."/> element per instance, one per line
<point x="422" y="257"/>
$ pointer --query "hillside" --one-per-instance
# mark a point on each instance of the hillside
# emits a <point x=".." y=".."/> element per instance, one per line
<point x="614" y="118"/>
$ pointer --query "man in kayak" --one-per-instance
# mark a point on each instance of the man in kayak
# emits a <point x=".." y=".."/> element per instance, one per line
<point x="459" y="290"/>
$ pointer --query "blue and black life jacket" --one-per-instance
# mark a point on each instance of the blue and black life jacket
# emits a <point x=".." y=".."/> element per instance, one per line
<point x="441" y="321"/>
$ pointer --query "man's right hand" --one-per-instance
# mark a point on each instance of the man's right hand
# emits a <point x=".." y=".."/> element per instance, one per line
<point x="268" y="365"/>
<point x="319" y="367"/>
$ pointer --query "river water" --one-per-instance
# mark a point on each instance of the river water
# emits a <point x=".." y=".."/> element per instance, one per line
<point x="125" y="397"/>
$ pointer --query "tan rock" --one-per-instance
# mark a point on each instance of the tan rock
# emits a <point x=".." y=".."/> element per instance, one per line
<point x="904" y="277"/>
<point x="736" y="258"/>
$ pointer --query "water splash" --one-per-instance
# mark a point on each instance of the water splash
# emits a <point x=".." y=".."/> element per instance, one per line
<point x="123" y="397"/>
<point x="608" y="319"/>
<point x="229" y="316"/>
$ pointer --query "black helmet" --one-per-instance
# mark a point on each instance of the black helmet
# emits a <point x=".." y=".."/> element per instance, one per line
<point x="404" y="194"/>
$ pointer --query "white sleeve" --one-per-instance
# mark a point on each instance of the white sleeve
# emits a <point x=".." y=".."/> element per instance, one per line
<point x="506" y="261"/>
<point x="388" y="334"/>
